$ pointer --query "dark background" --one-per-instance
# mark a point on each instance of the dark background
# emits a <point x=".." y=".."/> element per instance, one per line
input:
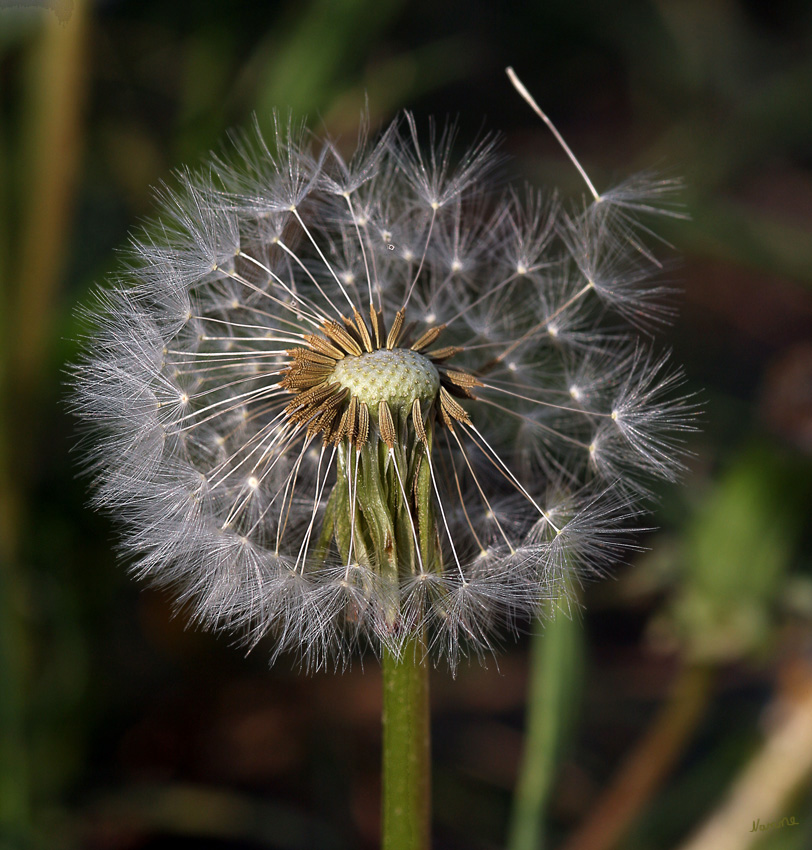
<point x="121" y="730"/>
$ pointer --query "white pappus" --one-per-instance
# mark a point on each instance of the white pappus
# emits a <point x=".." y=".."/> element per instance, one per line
<point x="346" y="400"/>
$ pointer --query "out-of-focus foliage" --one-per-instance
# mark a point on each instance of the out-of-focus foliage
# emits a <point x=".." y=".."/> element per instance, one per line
<point x="118" y="729"/>
<point x="734" y="556"/>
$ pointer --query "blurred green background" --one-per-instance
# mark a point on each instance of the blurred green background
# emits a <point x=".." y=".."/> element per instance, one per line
<point x="671" y="699"/>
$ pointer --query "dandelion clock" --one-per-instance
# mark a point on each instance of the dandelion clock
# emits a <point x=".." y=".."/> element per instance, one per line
<point x="370" y="403"/>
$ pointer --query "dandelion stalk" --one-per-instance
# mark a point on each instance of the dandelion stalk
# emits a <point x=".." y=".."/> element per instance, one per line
<point x="406" y="750"/>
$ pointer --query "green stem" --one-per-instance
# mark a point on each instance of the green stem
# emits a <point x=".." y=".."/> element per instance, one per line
<point x="555" y="658"/>
<point x="406" y="749"/>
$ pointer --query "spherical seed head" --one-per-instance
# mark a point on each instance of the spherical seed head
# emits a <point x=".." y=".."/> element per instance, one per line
<point x="292" y="471"/>
<point x="397" y="377"/>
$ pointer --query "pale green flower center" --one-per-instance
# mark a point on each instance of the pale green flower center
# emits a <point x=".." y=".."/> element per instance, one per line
<point x="397" y="376"/>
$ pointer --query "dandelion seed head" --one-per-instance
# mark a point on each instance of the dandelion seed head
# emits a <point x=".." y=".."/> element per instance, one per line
<point x="337" y="401"/>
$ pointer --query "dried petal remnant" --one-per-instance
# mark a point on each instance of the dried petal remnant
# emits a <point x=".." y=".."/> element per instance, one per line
<point x="332" y="377"/>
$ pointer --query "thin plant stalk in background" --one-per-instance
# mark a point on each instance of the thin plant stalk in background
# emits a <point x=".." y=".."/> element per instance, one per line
<point x="556" y="668"/>
<point x="366" y="402"/>
<point x="31" y="265"/>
